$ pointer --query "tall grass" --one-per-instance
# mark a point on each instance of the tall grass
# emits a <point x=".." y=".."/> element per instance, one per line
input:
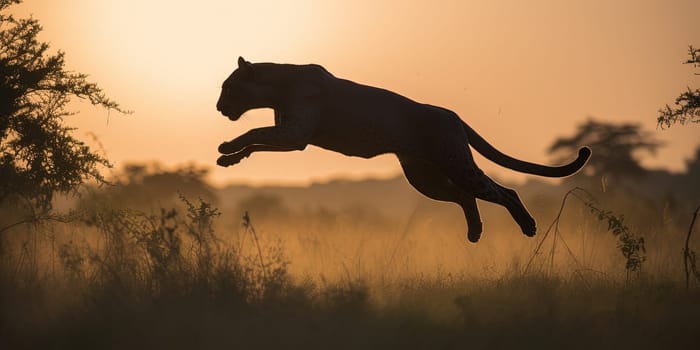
<point x="177" y="279"/>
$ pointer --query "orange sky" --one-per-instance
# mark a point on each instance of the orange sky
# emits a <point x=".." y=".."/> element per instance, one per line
<point x="506" y="67"/>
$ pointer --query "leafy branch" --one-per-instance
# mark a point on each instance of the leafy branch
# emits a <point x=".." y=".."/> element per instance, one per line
<point x="630" y="245"/>
<point x="687" y="105"/>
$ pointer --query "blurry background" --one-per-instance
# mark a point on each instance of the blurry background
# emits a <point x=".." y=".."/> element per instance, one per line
<point x="521" y="73"/>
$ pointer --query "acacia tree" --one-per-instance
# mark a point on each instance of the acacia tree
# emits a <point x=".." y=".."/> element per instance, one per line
<point x="615" y="147"/>
<point x="38" y="155"/>
<point x="687" y="105"/>
<point x="686" y="109"/>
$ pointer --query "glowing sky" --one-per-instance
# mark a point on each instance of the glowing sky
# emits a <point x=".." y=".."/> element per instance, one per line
<point x="520" y="72"/>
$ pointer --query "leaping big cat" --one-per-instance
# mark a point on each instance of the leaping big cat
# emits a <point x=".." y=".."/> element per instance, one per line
<point x="313" y="107"/>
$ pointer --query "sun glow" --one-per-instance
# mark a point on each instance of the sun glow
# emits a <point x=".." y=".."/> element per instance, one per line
<point x="164" y="41"/>
<point x="541" y="66"/>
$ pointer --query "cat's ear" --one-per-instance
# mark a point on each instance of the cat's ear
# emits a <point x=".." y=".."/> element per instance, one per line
<point x="244" y="65"/>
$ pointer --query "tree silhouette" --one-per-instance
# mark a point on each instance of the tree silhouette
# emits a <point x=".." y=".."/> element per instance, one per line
<point x="615" y="147"/>
<point x="38" y="154"/>
<point x="687" y="105"/>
